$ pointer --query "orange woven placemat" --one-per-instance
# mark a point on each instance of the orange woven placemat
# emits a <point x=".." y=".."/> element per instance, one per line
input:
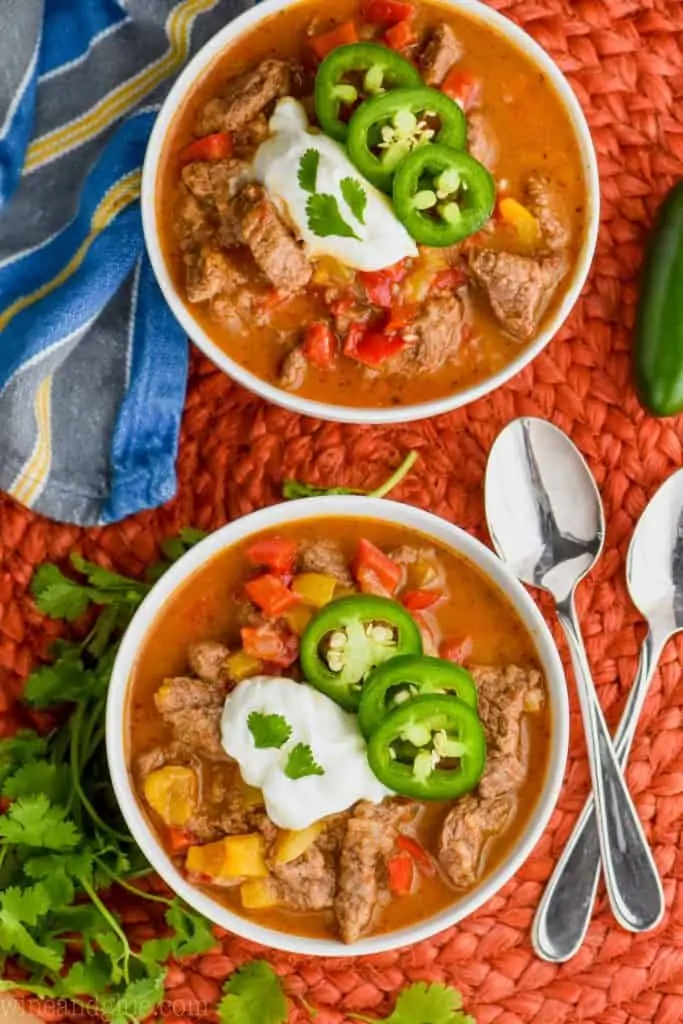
<point x="625" y="60"/>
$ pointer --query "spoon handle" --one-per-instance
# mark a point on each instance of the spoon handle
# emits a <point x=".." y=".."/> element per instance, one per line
<point x="565" y="910"/>
<point x="633" y="885"/>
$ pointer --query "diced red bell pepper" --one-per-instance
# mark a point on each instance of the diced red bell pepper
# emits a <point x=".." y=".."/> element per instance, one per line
<point x="400" y="35"/>
<point x="377" y="283"/>
<point x="277" y="553"/>
<point x="411" y="846"/>
<point x="401" y="870"/>
<point x="320" y="345"/>
<point x="419" y="600"/>
<point x="377" y="12"/>
<point x="374" y="347"/>
<point x="353" y="338"/>
<point x="456" y="649"/>
<point x="462" y="87"/>
<point x="270" y="594"/>
<point x="370" y="559"/>
<point x="267" y="643"/>
<point x="212" y="147"/>
<point x="340" y="35"/>
<point x="400" y="316"/>
<point x="454" y="277"/>
<point x="180" y="840"/>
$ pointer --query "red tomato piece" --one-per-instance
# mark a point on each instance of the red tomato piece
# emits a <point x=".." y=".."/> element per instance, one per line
<point x="418" y="600"/>
<point x="370" y="558"/>
<point x="375" y="347"/>
<point x="401" y="871"/>
<point x="454" y="277"/>
<point x="377" y="12"/>
<point x="320" y="345"/>
<point x="423" y="860"/>
<point x="179" y="840"/>
<point x="378" y="283"/>
<point x="277" y="553"/>
<point x="341" y="35"/>
<point x="270" y="644"/>
<point x="400" y="316"/>
<point x="212" y="147"/>
<point x="462" y="87"/>
<point x="270" y="594"/>
<point x="456" y="649"/>
<point x="352" y="339"/>
<point x="400" y="35"/>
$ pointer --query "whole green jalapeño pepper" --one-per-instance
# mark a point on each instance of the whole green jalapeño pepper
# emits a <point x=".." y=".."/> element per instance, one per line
<point x="432" y="748"/>
<point x="384" y="130"/>
<point x="348" y="638"/>
<point x="441" y="196"/>
<point x="400" y="680"/>
<point x="349" y="74"/>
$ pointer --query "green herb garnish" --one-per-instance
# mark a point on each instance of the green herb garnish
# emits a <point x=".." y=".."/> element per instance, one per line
<point x="355" y="196"/>
<point x="436" y="1003"/>
<point x="268" y="730"/>
<point x="325" y="218"/>
<point x="308" y="170"/>
<point x="301" y="763"/>
<point x="295" y="489"/>
<point x="253" y="995"/>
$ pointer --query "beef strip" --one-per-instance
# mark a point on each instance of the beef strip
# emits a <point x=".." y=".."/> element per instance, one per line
<point x="169" y="753"/>
<point x="254" y="221"/>
<point x="216" y="180"/>
<point x="324" y="556"/>
<point x="546" y="206"/>
<point x="194" y="224"/>
<point x="248" y="138"/>
<point x="504" y="697"/>
<point x="434" y="337"/>
<point x="246" y="96"/>
<point x="207" y="660"/>
<point x="307" y="883"/>
<point x="209" y="271"/>
<point x="518" y="288"/>
<point x="439" y="55"/>
<point x="223" y="810"/>
<point x="481" y="141"/>
<point x="370" y="837"/>
<point x="293" y="369"/>
<point x="193" y="710"/>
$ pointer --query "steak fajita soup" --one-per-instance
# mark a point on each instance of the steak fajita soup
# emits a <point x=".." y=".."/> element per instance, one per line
<point x="377" y="206"/>
<point x="337" y="729"/>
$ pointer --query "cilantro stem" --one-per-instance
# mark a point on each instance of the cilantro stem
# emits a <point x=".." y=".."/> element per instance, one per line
<point x="154" y="897"/>
<point x="396" y="477"/>
<point x="112" y="922"/>
<point x="76" y="781"/>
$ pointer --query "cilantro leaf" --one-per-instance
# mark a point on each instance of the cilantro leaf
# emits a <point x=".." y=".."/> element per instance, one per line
<point x="105" y="579"/>
<point x="296" y="489"/>
<point x="268" y="730"/>
<point x="301" y="763"/>
<point x="89" y="979"/>
<point x="308" y="170"/>
<point x="57" y="596"/>
<point x="65" y="680"/>
<point x="436" y="1003"/>
<point x="325" y="219"/>
<point x="15" y="938"/>
<point x="192" y="932"/>
<point x="27" y="905"/>
<point x="137" y="1000"/>
<point x="23" y="746"/>
<point x="253" y="995"/>
<point x="39" y="777"/>
<point x="32" y="821"/>
<point x="355" y="196"/>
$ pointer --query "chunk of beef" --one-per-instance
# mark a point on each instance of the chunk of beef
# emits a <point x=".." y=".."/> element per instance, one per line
<point x="434" y="337"/>
<point x="210" y="271"/>
<point x="193" y="224"/>
<point x="168" y="753"/>
<point x="547" y="207"/>
<point x="207" y="660"/>
<point x="465" y="832"/>
<point x="250" y="137"/>
<point x="481" y="141"/>
<point x="193" y="710"/>
<point x="293" y="369"/>
<point x="307" y="883"/>
<point x="519" y="288"/>
<point x="246" y="96"/>
<point x="224" y="810"/>
<point x="439" y="55"/>
<point x="216" y="181"/>
<point x="254" y="221"/>
<point x="370" y="836"/>
<point x="505" y="695"/>
<point x="324" y="556"/>
<point x="504" y="774"/>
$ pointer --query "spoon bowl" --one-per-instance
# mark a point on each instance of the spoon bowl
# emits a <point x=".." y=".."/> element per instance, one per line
<point x="654" y="564"/>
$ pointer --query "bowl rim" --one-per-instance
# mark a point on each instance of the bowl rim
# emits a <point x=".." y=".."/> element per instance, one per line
<point x="367" y="414"/>
<point x="299" y="511"/>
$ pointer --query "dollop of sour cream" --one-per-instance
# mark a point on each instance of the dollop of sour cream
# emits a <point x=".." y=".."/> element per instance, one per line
<point x="333" y="736"/>
<point x="382" y="240"/>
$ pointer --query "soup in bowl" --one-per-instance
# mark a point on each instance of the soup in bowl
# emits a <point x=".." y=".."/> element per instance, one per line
<point x="374" y="213"/>
<point x="337" y="726"/>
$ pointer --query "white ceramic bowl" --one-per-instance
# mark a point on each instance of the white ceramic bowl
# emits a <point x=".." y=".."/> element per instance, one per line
<point x="326" y="410"/>
<point x="354" y="508"/>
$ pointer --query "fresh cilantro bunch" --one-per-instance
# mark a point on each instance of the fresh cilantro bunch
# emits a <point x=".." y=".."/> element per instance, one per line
<point x="296" y="489"/>
<point x="62" y="839"/>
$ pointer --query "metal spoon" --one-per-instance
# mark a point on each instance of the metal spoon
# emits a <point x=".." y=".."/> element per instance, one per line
<point x="546" y="521"/>
<point x="654" y="575"/>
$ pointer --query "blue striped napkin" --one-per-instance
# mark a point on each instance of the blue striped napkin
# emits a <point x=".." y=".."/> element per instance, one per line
<point x="93" y="366"/>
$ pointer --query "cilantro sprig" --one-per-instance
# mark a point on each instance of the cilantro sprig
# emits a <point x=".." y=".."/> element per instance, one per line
<point x="355" y="197"/>
<point x="62" y="840"/>
<point x="301" y="763"/>
<point x="308" y="170"/>
<point x="268" y="731"/>
<point x="325" y="218"/>
<point x="292" y="489"/>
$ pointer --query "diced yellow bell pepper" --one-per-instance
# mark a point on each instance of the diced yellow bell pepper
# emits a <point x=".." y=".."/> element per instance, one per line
<point x="258" y="894"/>
<point x="314" y="588"/>
<point x="232" y="857"/>
<point x="328" y="271"/>
<point x="241" y="665"/>
<point x="521" y="219"/>
<point x="343" y="591"/>
<point x="291" y="844"/>
<point x="172" y="792"/>
<point x="423" y="573"/>
<point x="298" y="617"/>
